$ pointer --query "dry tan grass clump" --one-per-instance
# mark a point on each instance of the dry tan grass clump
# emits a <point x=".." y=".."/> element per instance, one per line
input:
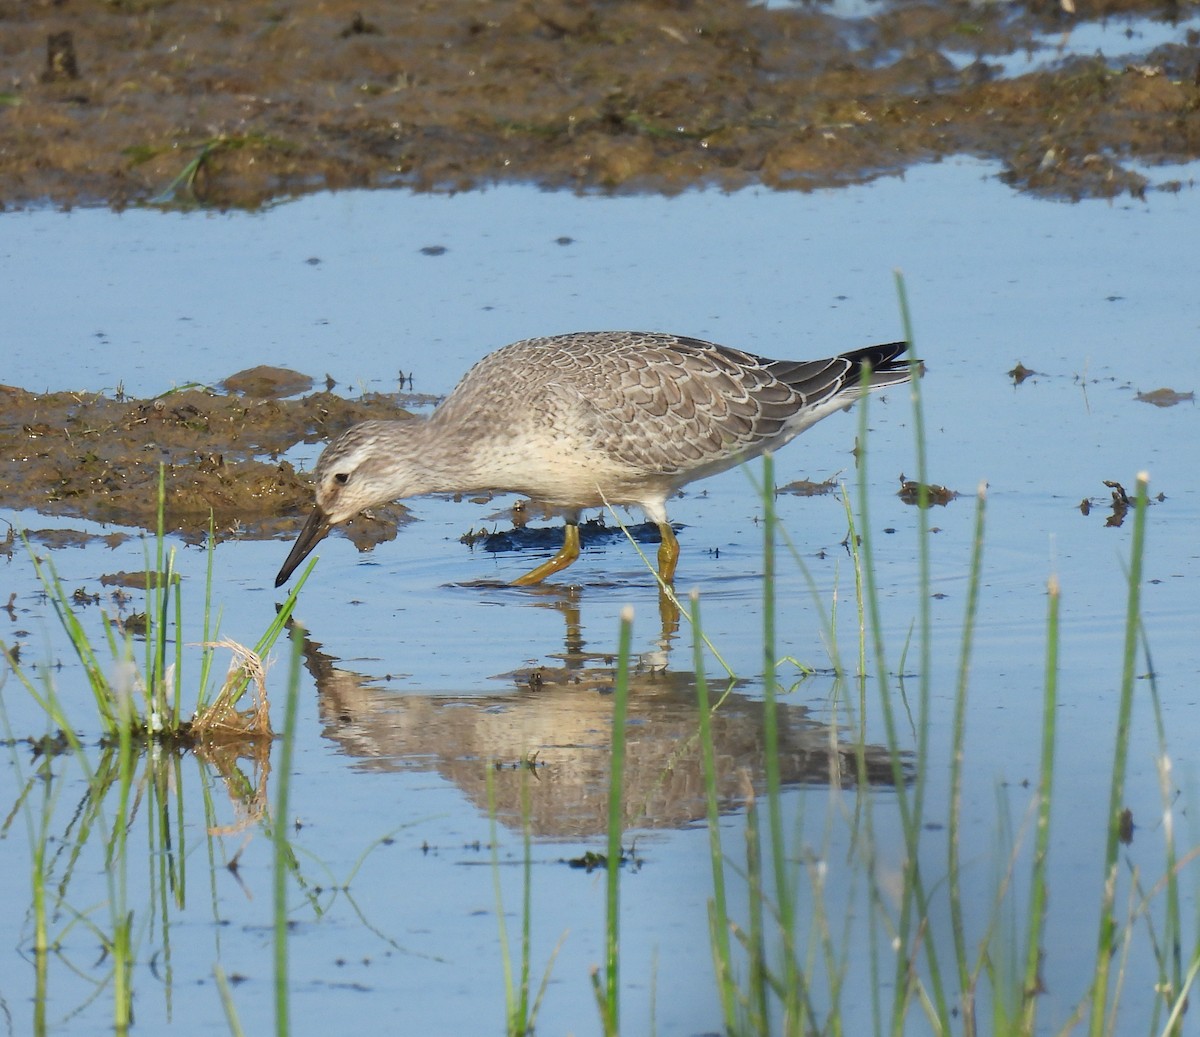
<point x="221" y="720"/>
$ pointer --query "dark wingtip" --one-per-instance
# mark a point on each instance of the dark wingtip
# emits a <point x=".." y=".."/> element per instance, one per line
<point x="886" y="354"/>
<point x="889" y="363"/>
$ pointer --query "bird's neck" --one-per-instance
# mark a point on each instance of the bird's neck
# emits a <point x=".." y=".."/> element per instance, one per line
<point x="435" y="469"/>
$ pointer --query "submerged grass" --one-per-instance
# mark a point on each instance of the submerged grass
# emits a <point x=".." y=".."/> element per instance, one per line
<point x="1106" y="943"/>
<point x="607" y="986"/>
<point x="282" y="851"/>
<point x="521" y="1003"/>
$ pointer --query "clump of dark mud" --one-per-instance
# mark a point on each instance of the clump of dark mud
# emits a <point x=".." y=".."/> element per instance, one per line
<point x="129" y="101"/>
<point x="98" y="457"/>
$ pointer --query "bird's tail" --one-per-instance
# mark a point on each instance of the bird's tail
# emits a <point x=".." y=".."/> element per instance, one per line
<point x="819" y="381"/>
<point x="888" y="362"/>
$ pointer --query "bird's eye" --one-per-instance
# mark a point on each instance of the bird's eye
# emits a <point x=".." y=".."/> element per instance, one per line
<point x="341" y="478"/>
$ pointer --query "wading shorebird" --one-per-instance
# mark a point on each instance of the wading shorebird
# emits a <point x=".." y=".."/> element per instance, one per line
<point x="588" y="420"/>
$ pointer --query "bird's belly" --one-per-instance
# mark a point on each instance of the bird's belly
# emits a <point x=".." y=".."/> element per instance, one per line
<point x="569" y="480"/>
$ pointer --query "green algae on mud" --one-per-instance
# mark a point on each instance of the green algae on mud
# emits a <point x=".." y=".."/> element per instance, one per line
<point x="236" y="106"/>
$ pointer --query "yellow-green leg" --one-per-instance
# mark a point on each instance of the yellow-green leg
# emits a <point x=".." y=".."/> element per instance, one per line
<point x="568" y="554"/>
<point x="668" y="614"/>
<point x="668" y="552"/>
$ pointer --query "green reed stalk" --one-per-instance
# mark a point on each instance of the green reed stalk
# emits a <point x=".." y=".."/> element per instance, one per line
<point x="227" y="1003"/>
<point x="793" y="993"/>
<point x="37" y="828"/>
<point x="914" y="907"/>
<point x="527" y="1012"/>
<point x="519" y="1014"/>
<point x="863" y="843"/>
<point x="175" y="691"/>
<point x="1107" y="937"/>
<point x="208" y="632"/>
<point x="282" y="854"/>
<point x="826" y="616"/>
<point x="860" y="608"/>
<point x="118" y="869"/>
<point x="919" y="443"/>
<point x="1171" y="977"/>
<point x="954" y="826"/>
<point x="1174" y="1023"/>
<point x="49" y="702"/>
<point x="607" y="994"/>
<point x="718" y="912"/>
<point x="157" y="590"/>
<point x="514" y="1006"/>
<point x="158" y="860"/>
<point x="754" y="940"/>
<point x="41" y="942"/>
<point x="902" y="980"/>
<point x="863" y="546"/>
<point x="920" y="898"/>
<point x="1031" y="985"/>
<point x="157" y="626"/>
<point x="41" y="946"/>
<point x="277" y="626"/>
<point x="167" y="855"/>
<point x="164" y="597"/>
<point x="178" y="844"/>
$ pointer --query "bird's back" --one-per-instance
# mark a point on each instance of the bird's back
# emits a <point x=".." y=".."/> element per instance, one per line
<point x="638" y="404"/>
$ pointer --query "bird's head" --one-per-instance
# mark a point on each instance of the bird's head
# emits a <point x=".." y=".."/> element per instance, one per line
<point x="363" y="468"/>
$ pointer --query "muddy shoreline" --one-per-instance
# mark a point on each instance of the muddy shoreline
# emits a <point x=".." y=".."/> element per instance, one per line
<point x="134" y="102"/>
<point x="127" y="102"/>
<point x="98" y="457"/>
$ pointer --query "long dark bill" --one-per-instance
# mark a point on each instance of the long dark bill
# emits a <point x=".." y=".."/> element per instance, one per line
<point x="313" y="533"/>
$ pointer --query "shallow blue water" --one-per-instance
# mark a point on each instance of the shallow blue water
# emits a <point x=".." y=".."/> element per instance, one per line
<point x="416" y="660"/>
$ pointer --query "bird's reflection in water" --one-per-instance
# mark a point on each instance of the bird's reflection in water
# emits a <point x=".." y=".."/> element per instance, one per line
<point x="574" y="661"/>
<point x="550" y="730"/>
